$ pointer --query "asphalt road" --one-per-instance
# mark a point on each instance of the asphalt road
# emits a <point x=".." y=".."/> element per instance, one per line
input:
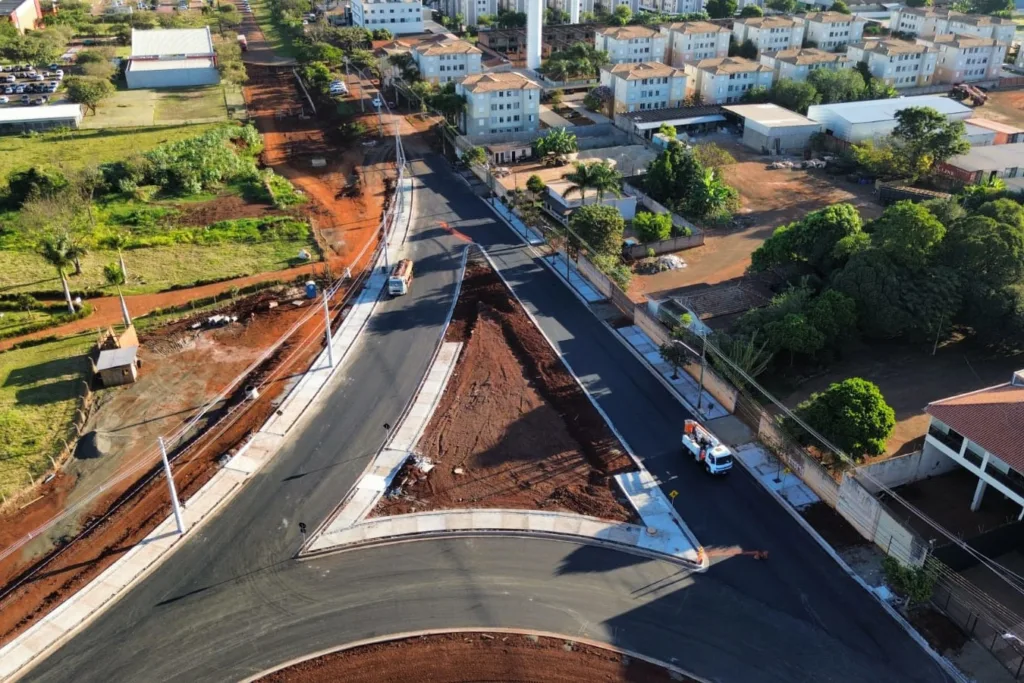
<point x="232" y="601"/>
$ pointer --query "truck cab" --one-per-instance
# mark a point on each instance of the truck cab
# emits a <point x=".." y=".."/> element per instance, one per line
<point x="706" y="448"/>
<point x="401" y="278"/>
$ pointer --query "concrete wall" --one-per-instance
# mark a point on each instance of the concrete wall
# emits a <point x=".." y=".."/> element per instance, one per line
<point x="904" y="469"/>
<point x="172" y="78"/>
<point x="664" y="246"/>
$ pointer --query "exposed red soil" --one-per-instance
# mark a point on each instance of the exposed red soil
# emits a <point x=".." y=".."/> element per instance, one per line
<point x="473" y="657"/>
<point x="513" y="421"/>
<point x="222" y="209"/>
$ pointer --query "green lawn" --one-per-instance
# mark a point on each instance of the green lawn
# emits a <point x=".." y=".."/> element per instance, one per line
<point x="277" y="40"/>
<point x="13" y="323"/>
<point x="146" y="107"/>
<point x="39" y="387"/>
<point x="191" y="104"/>
<point x="81" y="147"/>
<point x="153" y="269"/>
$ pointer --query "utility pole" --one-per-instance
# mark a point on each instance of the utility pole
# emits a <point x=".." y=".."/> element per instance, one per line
<point x="175" y="505"/>
<point x="700" y="388"/>
<point x="327" y="331"/>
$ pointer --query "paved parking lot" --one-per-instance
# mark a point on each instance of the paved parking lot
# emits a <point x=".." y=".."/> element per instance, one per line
<point x="25" y="84"/>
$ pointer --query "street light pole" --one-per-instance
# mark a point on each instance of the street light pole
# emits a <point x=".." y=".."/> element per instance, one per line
<point x="327" y="331"/>
<point x="700" y="388"/>
<point x="175" y="505"/>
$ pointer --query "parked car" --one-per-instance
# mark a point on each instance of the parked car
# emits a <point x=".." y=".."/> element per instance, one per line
<point x="25" y="99"/>
<point x="9" y="90"/>
<point x="19" y="89"/>
<point x="54" y="67"/>
<point x="4" y="100"/>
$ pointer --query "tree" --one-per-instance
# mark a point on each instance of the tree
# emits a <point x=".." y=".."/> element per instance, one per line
<point x="981" y="248"/>
<point x="927" y="137"/>
<point x="794" y="95"/>
<point x="919" y="3"/>
<point x="908" y="232"/>
<point x="837" y="85"/>
<point x="756" y="95"/>
<point x="747" y="49"/>
<point x="652" y="227"/>
<point x="783" y="6"/>
<point x="597" y="175"/>
<point x="555" y="98"/>
<point x="474" y="155"/>
<point x="834" y="315"/>
<point x="557" y="143"/>
<point x="711" y="155"/>
<point x="668" y="130"/>
<point x="383" y="34"/>
<point x="712" y="196"/>
<point x="1004" y="210"/>
<point x="812" y="239"/>
<point x="675" y="355"/>
<point x="535" y="184"/>
<point x="598" y="227"/>
<point x="913" y="583"/>
<point x="795" y="333"/>
<point x="720" y="9"/>
<point x="58" y="251"/>
<point x="840" y="6"/>
<point x="322" y="52"/>
<point x="88" y="92"/>
<point x="751" y="11"/>
<point x="851" y="414"/>
<point x="622" y="15"/>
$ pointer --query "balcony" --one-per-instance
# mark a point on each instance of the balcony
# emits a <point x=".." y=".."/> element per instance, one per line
<point x="950" y="440"/>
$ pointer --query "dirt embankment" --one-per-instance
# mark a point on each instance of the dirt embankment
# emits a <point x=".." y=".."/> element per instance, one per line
<point x="513" y="429"/>
<point x="473" y="657"/>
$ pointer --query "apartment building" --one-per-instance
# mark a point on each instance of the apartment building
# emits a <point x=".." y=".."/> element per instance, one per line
<point x="900" y="63"/>
<point x="937" y="21"/>
<point x="447" y="60"/>
<point x="647" y="85"/>
<point x="472" y="10"/>
<point x="673" y="6"/>
<point x="631" y="44"/>
<point x="506" y="102"/>
<point x="770" y="34"/>
<point x="966" y="59"/>
<point x="692" y="41"/>
<point x="398" y="16"/>
<point x="724" y="80"/>
<point x="797" y="64"/>
<point x="833" y="30"/>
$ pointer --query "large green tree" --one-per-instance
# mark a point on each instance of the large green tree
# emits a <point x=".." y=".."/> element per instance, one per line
<point x="812" y="239"/>
<point x="598" y="226"/>
<point x="88" y="92"/>
<point x="837" y="85"/>
<point x="983" y="249"/>
<point x="794" y="95"/>
<point x="851" y="414"/>
<point x="908" y="233"/>
<point x="927" y="137"/>
<point x="721" y="9"/>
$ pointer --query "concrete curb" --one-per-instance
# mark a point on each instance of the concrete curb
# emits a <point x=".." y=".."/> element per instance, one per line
<point x="497" y="629"/>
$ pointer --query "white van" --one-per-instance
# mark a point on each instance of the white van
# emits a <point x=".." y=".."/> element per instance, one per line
<point x="401" y="278"/>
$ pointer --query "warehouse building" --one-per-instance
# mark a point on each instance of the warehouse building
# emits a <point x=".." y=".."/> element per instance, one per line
<point x="770" y="129"/>
<point x="22" y="119"/>
<point x="855" y="122"/>
<point x="172" y="58"/>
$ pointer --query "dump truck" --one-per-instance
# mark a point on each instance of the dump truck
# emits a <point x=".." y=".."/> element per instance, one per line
<point x="401" y="278"/>
<point x="243" y="43"/>
<point x="706" y="448"/>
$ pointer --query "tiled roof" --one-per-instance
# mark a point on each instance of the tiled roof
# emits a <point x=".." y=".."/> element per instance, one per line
<point x="946" y="13"/>
<point x="492" y="82"/>
<point x="624" y="32"/>
<point x="832" y="18"/>
<point x="892" y="47"/>
<point x="448" y="47"/>
<point x="960" y="41"/>
<point x="811" y="55"/>
<point x="696" y="27"/>
<point x="632" y="72"/>
<point x="769" y="22"/>
<point x="729" y="65"/>
<point x="993" y="418"/>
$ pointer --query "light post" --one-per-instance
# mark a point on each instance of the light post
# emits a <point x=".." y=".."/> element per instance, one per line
<point x="327" y="331"/>
<point x="175" y="505"/>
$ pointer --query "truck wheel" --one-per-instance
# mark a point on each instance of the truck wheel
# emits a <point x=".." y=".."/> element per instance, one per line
<point x="707" y="468"/>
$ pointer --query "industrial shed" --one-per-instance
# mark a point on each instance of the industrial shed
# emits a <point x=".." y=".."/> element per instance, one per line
<point x="21" y="119"/>
<point x="855" y="122"/>
<point x="172" y="58"/>
<point x="771" y="129"/>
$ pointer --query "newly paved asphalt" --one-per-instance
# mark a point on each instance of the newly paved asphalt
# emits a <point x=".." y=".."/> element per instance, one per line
<point x="232" y="601"/>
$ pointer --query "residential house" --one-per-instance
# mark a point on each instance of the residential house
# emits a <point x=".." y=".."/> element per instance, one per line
<point x="966" y="59"/>
<point x="982" y="164"/>
<point x="23" y="14"/>
<point x="935" y="21"/>
<point x="398" y="16"/>
<point x="506" y="102"/>
<point x="770" y="34"/>
<point x="900" y="63"/>
<point x="855" y="122"/>
<point x="983" y="432"/>
<point x="724" y="80"/>
<point x="692" y="41"/>
<point x="631" y="44"/>
<point x="797" y="64"/>
<point x="833" y="30"/>
<point x="648" y="85"/>
<point x="447" y="60"/>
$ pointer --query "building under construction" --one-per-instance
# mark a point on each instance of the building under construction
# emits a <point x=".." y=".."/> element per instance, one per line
<point x="511" y="42"/>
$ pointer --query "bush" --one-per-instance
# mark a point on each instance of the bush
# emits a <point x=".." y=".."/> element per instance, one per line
<point x="913" y="583"/>
<point x="652" y="227"/>
<point x="201" y="163"/>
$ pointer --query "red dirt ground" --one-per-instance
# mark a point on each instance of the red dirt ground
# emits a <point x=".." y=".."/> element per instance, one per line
<point x="514" y="420"/>
<point x="473" y="657"/>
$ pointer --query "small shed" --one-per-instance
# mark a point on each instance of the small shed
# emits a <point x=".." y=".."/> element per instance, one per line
<point x="118" y="366"/>
<point x="771" y="129"/>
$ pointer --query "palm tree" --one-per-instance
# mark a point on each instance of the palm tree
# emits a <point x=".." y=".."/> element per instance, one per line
<point x="58" y="252"/>
<point x="582" y="178"/>
<point x="607" y="180"/>
<point x="119" y="241"/>
<point x="76" y="250"/>
<point x="114" y="275"/>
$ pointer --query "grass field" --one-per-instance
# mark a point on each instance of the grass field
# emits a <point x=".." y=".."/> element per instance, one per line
<point x="276" y="39"/>
<point x="81" y="147"/>
<point x="143" y="107"/>
<point x="153" y="269"/>
<point x="39" y="387"/>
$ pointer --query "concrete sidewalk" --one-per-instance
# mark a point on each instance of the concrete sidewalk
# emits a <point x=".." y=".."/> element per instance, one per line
<point x="529" y="234"/>
<point x="77" y="611"/>
<point x="775" y="476"/>
<point x="558" y="262"/>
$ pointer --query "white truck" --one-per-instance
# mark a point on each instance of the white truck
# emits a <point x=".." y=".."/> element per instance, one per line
<point x="401" y="278"/>
<point x="706" y="448"/>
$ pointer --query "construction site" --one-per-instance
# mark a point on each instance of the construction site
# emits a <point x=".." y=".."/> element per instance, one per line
<point x="210" y="377"/>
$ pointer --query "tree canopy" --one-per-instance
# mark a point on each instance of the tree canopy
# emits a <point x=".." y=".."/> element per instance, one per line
<point x="599" y="226"/>
<point x="853" y="415"/>
<point x="926" y="137"/>
<point x="812" y="239"/>
<point x="721" y="9"/>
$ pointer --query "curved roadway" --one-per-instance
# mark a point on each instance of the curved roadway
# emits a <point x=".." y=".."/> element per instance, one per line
<point x="232" y="601"/>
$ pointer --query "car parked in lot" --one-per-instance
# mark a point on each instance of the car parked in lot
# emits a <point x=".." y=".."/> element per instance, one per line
<point x="19" y="89"/>
<point x="4" y="100"/>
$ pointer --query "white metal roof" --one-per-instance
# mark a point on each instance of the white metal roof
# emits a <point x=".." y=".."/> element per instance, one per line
<point x="171" y="42"/>
<point x="885" y="110"/>
<point x="990" y="158"/>
<point x="49" y="112"/>
<point x="162" y="64"/>
<point x="116" y="358"/>
<point x="770" y="115"/>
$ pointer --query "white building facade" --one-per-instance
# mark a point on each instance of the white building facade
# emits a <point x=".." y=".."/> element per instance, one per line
<point x="724" y="80"/>
<point x="673" y="6"/>
<point x="631" y="44"/>
<point x="833" y="30"/>
<point x="692" y="41"/>
<point x="900" y="63"/>
<point x="172" y="58"/>
<point x="648" y="85"/>
<point x="399" y="16"/>
<point x="967" y="59"/>
<point x="769" y="34"/>
<point x="506" y="102"/>
<point x="932" y="21"/>
<point x="448" y="60"/>
<point x="797" y="64"/>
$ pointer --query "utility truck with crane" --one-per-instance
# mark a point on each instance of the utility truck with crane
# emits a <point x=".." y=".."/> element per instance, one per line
<point x="706" y="448"/>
